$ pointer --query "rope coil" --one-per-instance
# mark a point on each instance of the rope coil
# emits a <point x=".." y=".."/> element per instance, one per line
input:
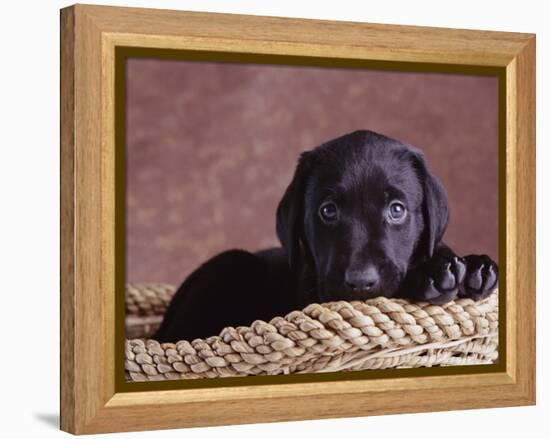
<point x="376" y="333"/>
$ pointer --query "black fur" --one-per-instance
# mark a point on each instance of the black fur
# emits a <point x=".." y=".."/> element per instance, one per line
<point x="362" y="252"/>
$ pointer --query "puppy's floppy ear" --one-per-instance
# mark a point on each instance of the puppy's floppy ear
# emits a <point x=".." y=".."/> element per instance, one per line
<point x="290" y="212"/>
<point x="435" y="206"/>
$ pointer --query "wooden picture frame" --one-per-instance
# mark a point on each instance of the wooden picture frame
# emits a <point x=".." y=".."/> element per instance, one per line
<point x="91" y="398"/>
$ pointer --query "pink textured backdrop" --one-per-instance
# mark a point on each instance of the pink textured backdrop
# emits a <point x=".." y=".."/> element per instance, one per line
<point x="211" y="148"/>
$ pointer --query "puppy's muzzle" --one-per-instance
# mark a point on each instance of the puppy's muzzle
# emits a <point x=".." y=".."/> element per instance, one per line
<point x="364" y="280"/>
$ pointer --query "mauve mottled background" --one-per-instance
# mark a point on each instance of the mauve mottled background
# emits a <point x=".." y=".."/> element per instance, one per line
<point x="211" y="148"/>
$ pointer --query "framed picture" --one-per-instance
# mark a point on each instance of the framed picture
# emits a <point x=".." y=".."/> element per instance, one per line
<point x="270" y="219"/>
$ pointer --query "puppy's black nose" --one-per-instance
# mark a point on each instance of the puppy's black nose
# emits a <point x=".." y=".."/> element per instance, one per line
<point x="362" y="280"/>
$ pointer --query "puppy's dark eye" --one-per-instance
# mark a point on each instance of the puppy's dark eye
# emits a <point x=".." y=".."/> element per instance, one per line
<point x="328" y="212"/>
<point x="397" y="212"/>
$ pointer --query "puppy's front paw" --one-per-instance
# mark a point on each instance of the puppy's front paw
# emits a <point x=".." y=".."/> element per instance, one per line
<point x="481" y="277"/>
<point x="439" y="280"/>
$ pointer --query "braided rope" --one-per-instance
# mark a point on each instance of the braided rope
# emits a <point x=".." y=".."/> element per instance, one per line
<point x="148" y="299"/>
<point x="377" y="333"/>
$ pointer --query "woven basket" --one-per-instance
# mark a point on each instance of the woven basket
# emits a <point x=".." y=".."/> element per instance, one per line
<point x="378" y="333"/>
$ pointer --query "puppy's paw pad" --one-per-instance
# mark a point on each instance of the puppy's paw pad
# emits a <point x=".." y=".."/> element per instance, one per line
<point x="433" y="295"/>
<point x="481" y="277"/>
<point x="443" y="278"/>
<point x="448" y="273"/>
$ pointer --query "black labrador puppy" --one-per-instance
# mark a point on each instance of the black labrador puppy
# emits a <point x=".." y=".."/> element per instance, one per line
<point x="362" y="217"/>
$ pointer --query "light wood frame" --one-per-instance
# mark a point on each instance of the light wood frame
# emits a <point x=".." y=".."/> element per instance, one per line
<point x="89" y="36"/>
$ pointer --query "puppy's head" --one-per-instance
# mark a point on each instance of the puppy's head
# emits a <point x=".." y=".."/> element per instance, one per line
<point x="360" y="211"/>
